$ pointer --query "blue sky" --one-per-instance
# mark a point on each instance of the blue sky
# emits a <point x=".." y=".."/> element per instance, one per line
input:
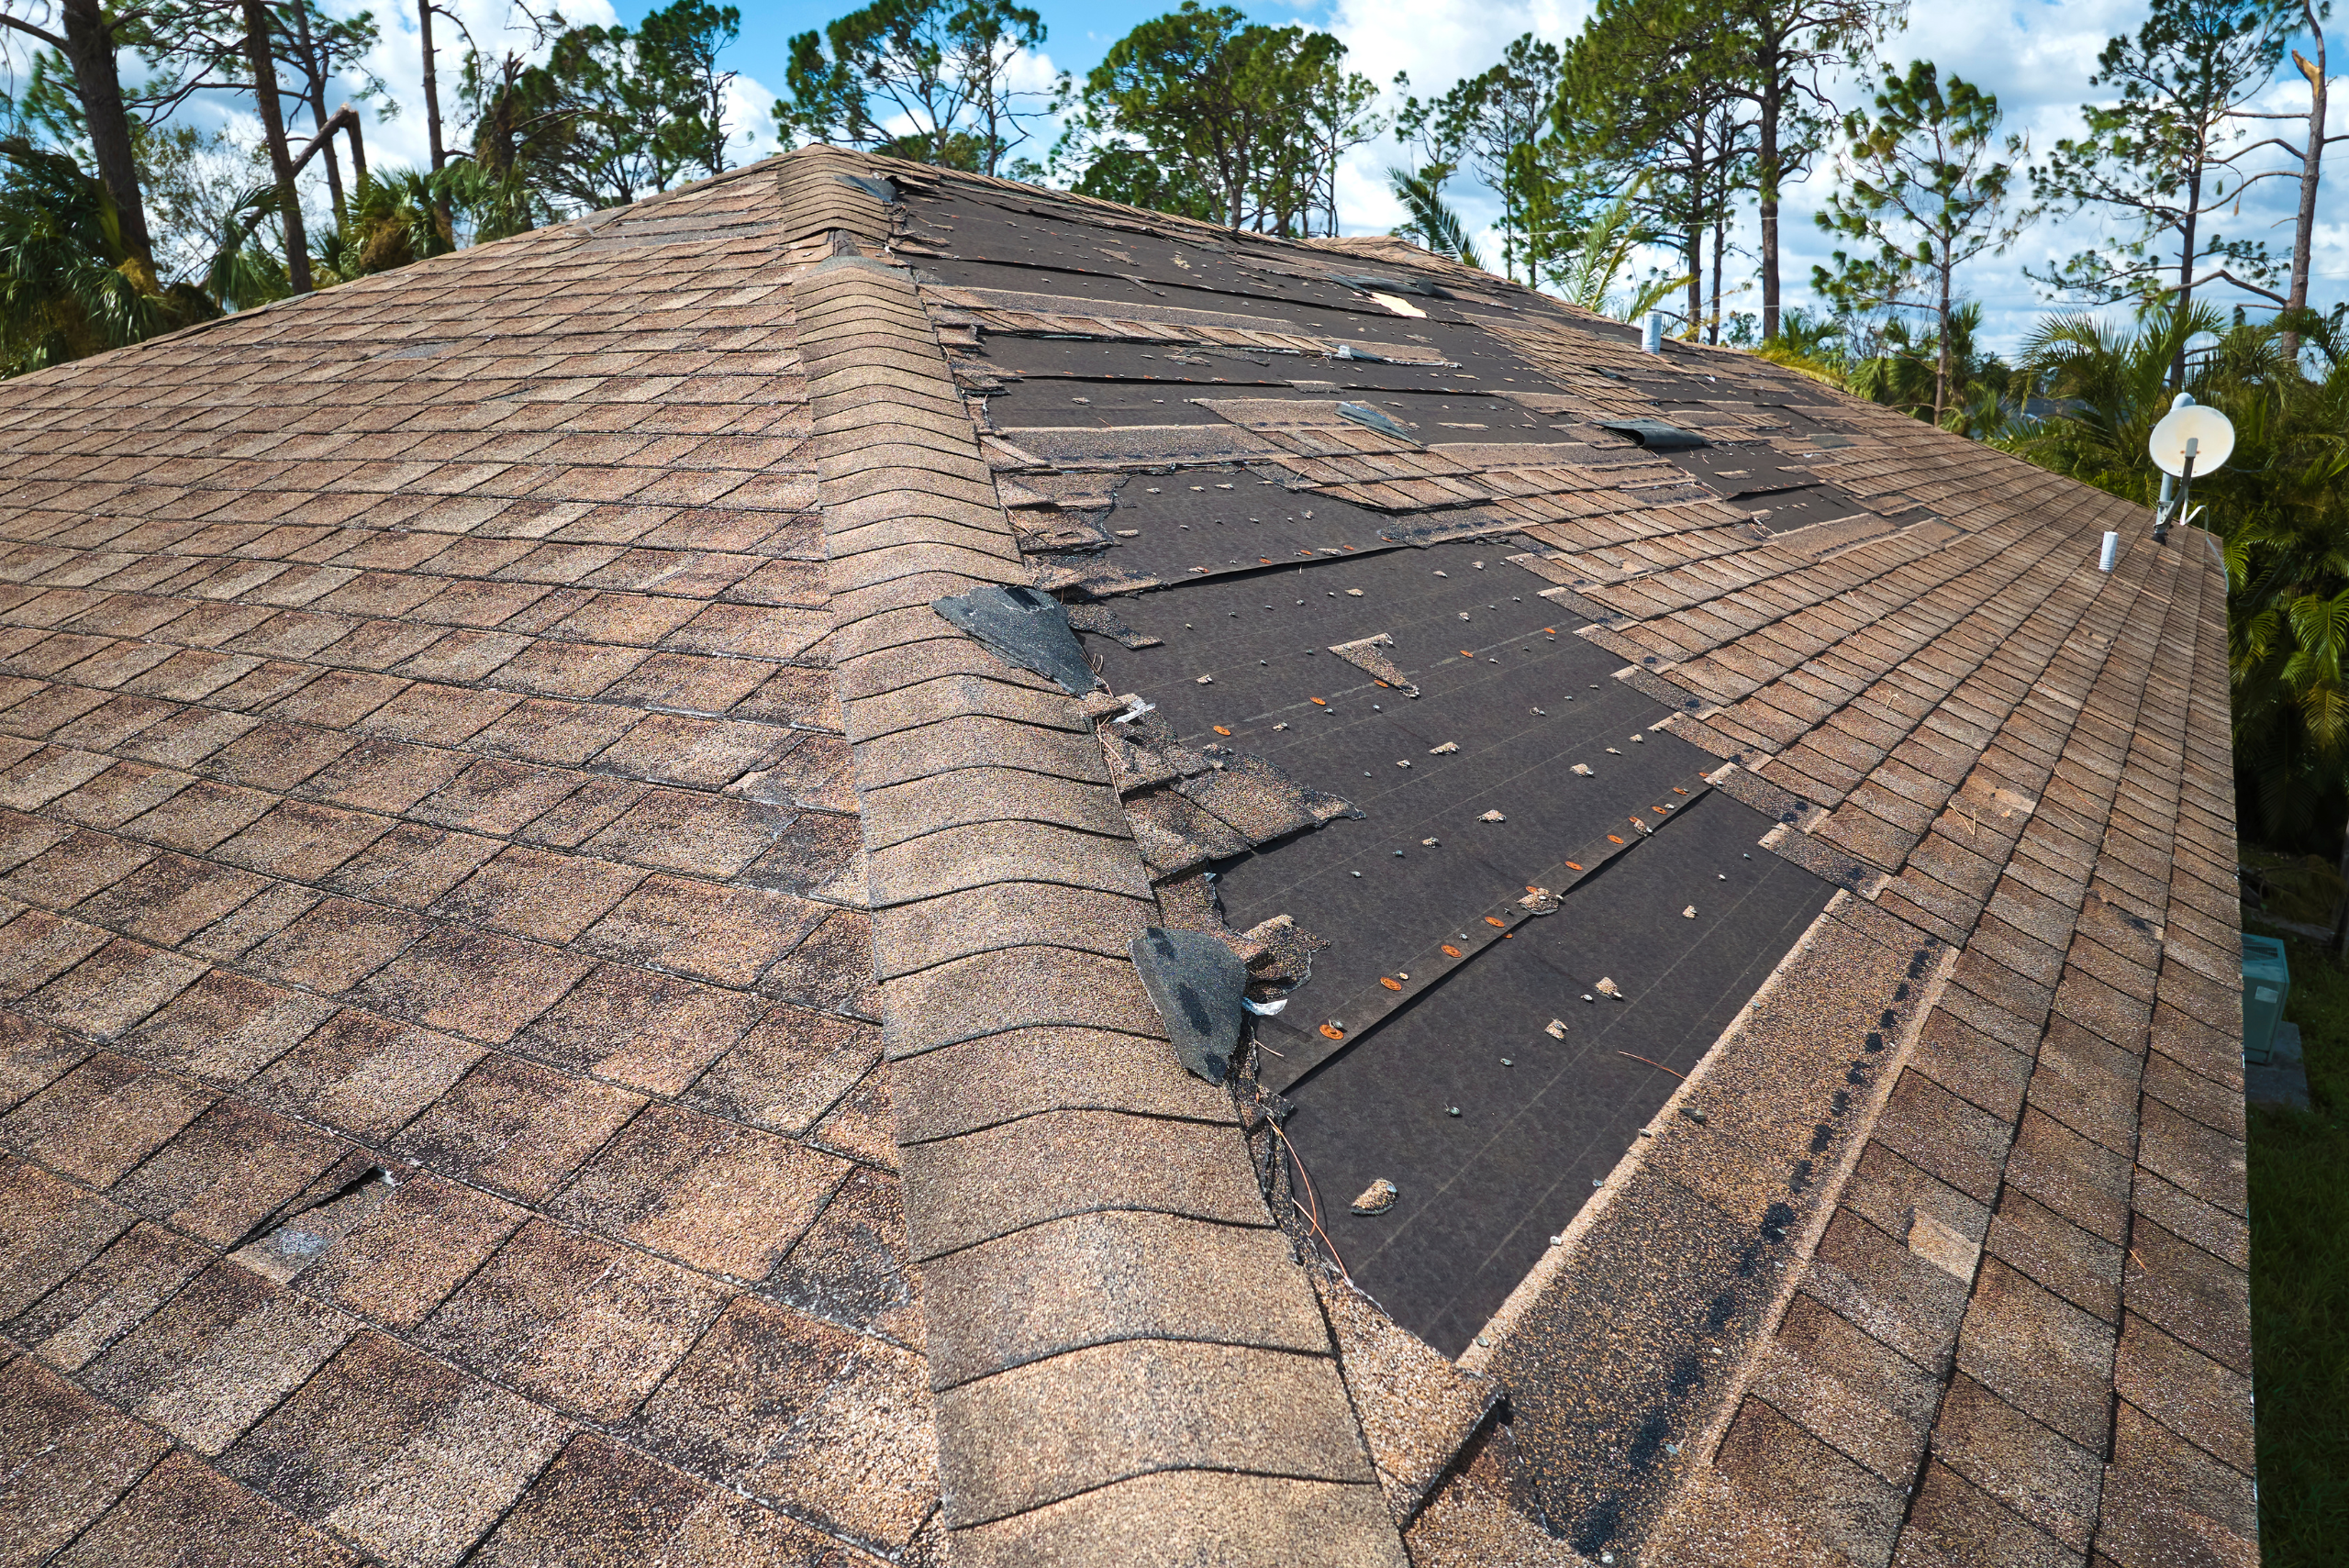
<point x="2036" y="55"/>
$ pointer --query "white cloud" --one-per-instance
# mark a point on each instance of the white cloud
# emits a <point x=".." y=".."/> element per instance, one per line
<point x="2036" y="55"/>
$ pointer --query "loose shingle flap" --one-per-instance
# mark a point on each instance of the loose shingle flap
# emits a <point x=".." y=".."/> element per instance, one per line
<point x="1655" y="434"/>
<point x="1196" y="982"/>
<point x="1367" y="282"/>
<point x="1027" y="628"/>
<point x="1379" y="420"/>
<point x="872" y="185"/>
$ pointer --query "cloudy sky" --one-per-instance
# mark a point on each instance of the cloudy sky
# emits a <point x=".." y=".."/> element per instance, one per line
<point x="2036" y="55"/>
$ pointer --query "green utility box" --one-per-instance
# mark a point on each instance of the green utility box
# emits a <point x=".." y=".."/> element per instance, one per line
<point x="2267" y="983"/>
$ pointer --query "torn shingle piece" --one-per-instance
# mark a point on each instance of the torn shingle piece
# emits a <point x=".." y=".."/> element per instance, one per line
<point x="1027" y="629"/>
<point x="1363" y="653"/>
<point x="1194" y="981"/>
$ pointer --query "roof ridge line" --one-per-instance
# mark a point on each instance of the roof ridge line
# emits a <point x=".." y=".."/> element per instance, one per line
<point x="1163" y="1389"/>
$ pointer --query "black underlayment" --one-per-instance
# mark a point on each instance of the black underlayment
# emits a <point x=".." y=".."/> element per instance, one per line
<point x="1542" y="1119"/>
<point x="1199" y="521"/>
<point x="1482" y="1192"/>
<point x="1227" y="372"/>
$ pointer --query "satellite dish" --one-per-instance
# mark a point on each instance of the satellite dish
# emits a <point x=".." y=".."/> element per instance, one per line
<point x="2212" y="436"/>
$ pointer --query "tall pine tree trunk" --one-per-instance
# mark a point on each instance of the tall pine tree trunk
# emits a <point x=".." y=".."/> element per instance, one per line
<point x="431" y="87"/>
<point x="1941" y="365"/>
<point x="90" y="49"/>
<point x="1772" y="102"/>
<point x="2312" y="171"/>
<point x="264" y="63"/>
<point x="317" y="101"/>
<point x="2188" y="227"/>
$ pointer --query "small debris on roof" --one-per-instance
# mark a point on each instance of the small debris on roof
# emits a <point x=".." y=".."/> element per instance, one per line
<point x="1026" y="628"/>
<point x="1612" y="753"/>
<point x="1689" y="913"/>
<point x="1196" y="982"/>
<point x="1452" y="1110"/>
<point x="1492" y="816"/>
<point x="1581" y="770"/>
<point x="1555" y="1028"/>
<point x="1205" y="681"/>
<point x="1607" y="987"/>
<point x="1353" y="592"/>
<point x="1377" y="1198"/>
<point x="1446" y="750"/>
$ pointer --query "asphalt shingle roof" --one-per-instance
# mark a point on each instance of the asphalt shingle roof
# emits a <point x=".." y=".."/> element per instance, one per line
<point x="557" y="1012"/>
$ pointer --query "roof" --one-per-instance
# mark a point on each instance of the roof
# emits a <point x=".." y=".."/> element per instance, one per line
<point x="559" y="1012"/>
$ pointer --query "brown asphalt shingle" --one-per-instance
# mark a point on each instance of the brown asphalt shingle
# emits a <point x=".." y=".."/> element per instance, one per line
<point x="365" y="763"/>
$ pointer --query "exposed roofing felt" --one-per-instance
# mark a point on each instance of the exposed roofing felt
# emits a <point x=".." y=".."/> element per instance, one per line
<point x="487" y="790"/>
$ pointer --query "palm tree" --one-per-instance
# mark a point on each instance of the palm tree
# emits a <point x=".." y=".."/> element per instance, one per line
<point x="1431" y="220"/>
<point x="70" y="284"/>
<point x="1601" y="252"/>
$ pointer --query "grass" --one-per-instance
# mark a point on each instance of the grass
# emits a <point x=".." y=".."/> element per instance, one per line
<point x="2300" y="1284"/>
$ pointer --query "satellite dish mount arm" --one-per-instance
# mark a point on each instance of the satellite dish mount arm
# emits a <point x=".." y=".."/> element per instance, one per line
<point x="2184" y="485"/>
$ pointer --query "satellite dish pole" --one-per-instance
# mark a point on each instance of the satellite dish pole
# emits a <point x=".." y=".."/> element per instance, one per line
<point x="2189" y="437"/>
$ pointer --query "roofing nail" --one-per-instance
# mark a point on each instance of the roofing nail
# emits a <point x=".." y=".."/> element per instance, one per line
<point x="1452" y="1110"/>
<point x="1357" y="873"/>
<point x="1429" y="842"/>
<point x="1507" y="1062"/>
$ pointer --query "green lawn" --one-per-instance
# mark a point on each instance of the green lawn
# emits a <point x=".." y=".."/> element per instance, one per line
<point x="2299" y="1285"/>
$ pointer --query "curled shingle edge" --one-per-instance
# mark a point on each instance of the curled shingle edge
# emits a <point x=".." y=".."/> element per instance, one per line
<point x="1090" y="1415"/>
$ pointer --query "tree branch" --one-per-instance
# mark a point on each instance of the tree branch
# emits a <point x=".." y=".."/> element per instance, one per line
<point x="51" y="39"/>
<point x="345" y="116"/>
<point x="2217" y="274"/>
